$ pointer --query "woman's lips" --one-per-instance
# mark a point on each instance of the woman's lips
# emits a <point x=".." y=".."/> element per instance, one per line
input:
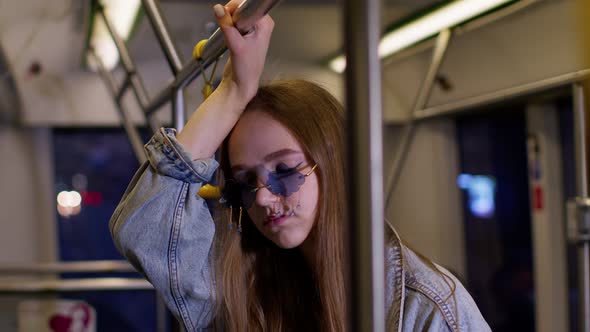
<point x="276" y="220"/>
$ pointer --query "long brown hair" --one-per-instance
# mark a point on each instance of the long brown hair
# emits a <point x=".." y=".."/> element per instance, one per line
<point x="260" y="287"/>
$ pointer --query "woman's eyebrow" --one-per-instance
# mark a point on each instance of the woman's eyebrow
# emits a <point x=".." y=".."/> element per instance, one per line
<point x="269" y="157"/>
<point x="280" y="153"/>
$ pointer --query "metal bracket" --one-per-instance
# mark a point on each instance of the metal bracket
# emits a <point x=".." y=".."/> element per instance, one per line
<point x="438" y="55"/>
<point x="578" y="220"/>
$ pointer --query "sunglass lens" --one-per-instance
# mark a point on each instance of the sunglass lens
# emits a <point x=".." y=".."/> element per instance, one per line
<point x="285" y="185"/>
<point x="248" y="196"/>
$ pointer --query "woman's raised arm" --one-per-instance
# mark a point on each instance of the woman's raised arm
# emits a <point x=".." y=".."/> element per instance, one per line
<point x="161" y="225"/>
<point x="214" y="119"/>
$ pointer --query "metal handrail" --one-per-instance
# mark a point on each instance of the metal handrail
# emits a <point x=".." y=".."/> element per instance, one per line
<point x="73" y="285"/>
<point x="245" y="18"/>
<point x="107" y="266"/>
<point x="581" y="115"/>
<point x="503" y="94"/>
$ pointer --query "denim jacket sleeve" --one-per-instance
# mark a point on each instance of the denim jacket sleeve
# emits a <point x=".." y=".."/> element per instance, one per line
<point x="437" y="301"/>
<point x="166" y="231"/>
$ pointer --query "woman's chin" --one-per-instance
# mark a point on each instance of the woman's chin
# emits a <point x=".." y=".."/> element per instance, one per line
<point x="287" y="241"/>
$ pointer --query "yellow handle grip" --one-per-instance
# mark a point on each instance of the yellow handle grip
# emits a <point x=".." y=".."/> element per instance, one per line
<point x="207" y="90"/>
<point x="198" y="49"/>
<point x="210" y="192"/>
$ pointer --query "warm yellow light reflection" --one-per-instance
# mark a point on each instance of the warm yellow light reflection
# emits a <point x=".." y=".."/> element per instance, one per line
<point x="69" y="203"/>
<point x="338" y="64"/>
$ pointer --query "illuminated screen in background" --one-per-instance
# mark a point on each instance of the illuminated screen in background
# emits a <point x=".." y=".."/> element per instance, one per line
<point x="481" y="190"/>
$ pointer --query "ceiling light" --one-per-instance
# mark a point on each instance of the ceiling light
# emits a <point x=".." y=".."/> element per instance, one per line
<point x="122" y="14"/>
<point x="426" y="26"/>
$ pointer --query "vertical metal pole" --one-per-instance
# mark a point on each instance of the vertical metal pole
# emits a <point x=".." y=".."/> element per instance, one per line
<point x="581" y="134"/>
<point x="581" y="118"/>
<point x="154" y="14"/>
<point x="364" y="159"/>
<point x="178" y="109"/>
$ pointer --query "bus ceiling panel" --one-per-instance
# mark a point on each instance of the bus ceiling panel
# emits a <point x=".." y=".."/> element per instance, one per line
<point x="42" y="44"/>
<point x="49" y="33"/>
<point x="534" y="44"/>
<point x="292" y="42"/>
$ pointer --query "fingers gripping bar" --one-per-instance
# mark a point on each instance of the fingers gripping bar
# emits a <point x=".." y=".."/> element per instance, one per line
<point x="245" y="18"/>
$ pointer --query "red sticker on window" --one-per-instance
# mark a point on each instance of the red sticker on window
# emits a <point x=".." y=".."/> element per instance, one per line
<point x="538" y="198"/>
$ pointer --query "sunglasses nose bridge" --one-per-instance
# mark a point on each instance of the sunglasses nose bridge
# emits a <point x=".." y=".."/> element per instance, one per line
<point x="261" y="193"/>
<point x="263" y="196"/>
<point x="261" y="179"/>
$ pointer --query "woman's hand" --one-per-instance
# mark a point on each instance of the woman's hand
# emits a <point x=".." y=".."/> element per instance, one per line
<point x="247" y="53"/>
<point x="216" y="116"/>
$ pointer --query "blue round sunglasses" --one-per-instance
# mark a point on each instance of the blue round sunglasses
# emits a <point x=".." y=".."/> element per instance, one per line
<point x="283" y="181"/>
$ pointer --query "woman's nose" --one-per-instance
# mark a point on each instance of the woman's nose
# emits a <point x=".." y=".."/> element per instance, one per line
<point x="264" y="196"/>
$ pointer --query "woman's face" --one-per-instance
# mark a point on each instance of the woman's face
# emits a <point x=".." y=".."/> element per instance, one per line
<point x="263" y="152"/>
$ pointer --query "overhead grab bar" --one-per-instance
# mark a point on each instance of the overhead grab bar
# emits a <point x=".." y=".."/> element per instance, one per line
<point x="245" y="18"/>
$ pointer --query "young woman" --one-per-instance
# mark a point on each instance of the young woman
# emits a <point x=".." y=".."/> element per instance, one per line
<point x="273" y="260"/>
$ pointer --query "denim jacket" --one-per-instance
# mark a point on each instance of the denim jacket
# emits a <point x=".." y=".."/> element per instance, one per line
<point x="166" y="231"/>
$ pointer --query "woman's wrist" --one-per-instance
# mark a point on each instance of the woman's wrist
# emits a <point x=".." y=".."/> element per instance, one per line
<point x="230" y="92"/>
